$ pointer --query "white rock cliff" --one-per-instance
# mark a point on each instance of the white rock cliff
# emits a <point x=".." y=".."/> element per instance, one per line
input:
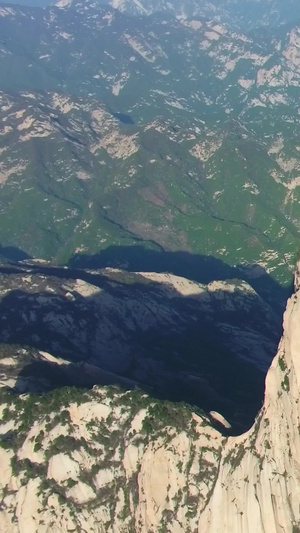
<point x="258" y="485"/>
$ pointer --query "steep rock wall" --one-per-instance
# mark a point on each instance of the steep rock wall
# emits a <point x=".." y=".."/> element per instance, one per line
<point x="258" y="486"/>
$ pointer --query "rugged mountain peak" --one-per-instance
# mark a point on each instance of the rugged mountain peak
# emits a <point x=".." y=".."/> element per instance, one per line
<point x="109" y="460"/>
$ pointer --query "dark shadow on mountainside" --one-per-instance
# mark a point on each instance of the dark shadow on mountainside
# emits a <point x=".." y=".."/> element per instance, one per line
<point x="210" y="349"/>
<point x="11" y="253"/>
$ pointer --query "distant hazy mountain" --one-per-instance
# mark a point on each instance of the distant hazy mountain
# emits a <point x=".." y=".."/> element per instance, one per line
<point x="30" y="3"/>
<point x="246" y="14"/>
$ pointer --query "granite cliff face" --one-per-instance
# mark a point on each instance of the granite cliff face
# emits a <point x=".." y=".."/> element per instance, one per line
<point x="258" y="483"/>
<point x="107" y="461"/>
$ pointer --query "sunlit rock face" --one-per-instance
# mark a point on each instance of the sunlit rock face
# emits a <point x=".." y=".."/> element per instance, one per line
<point x="259" y="479"/>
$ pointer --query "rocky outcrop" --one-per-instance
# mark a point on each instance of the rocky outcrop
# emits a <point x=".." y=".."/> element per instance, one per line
<point x="105" y="461"/>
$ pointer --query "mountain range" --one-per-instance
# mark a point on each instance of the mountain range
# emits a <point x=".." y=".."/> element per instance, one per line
<point x="173" y="133"/>
<point x="149" y="221"/>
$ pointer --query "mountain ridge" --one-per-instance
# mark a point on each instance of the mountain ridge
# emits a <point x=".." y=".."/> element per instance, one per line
<point x="172" y="337"/>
